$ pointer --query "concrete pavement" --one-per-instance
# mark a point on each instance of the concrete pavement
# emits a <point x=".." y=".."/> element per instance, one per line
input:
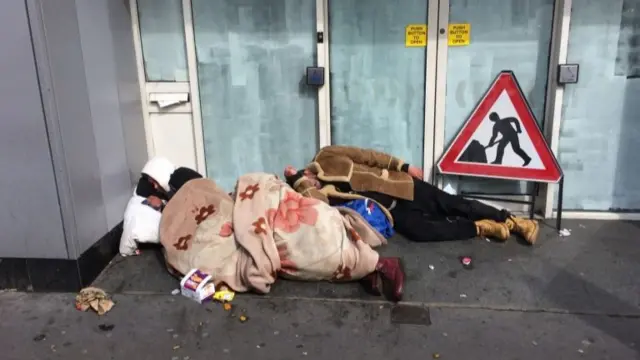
<point x="576" y="297"/>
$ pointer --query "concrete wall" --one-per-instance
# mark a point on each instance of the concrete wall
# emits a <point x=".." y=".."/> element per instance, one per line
<point x="30" y="220"/>
<point x="86" y="73"/>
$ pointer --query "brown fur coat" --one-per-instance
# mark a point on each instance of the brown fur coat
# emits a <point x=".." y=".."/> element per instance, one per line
<point x="363" y="169"/>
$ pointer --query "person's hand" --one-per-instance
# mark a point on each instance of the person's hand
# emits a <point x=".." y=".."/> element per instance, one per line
<point x="154" y="201"/>
<point x="519" y="131"/>
<point x="290" y="171"/>
<point x="415" y="172"/>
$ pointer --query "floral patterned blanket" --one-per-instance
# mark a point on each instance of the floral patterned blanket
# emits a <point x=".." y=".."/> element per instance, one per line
<point x="264" y="231"/>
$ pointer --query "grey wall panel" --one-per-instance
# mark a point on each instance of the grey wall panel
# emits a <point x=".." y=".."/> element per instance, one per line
<point x="102" y="84"/>
<point x="30" y="220"/>
<point x="70" y="91"/>
<point x="128" y="87"/>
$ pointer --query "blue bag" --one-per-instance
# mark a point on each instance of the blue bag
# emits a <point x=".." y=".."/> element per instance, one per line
<point x="372" y="213"/>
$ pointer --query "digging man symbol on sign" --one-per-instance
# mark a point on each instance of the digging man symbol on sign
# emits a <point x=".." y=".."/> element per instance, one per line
<point x="509" y="136"/>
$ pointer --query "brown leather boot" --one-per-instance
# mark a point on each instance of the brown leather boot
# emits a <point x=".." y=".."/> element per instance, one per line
<point x="372" y="283"/>
<point x="391" y="271"/>
<point x="492" y="229"/>
<point x="527" y="229"/>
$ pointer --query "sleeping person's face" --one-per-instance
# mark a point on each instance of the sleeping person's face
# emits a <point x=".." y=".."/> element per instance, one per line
<point x="308" y="174"/>
<point x="156" y="186"/>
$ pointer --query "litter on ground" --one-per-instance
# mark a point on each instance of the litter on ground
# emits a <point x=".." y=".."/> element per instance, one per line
<point x="94" y="298"/>
<point x="565" y="232"/>
<point x="466" y="262"/>
<point x="197" y="285"/>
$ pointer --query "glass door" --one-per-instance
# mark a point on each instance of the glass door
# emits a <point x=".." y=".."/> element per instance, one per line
<point x="258" y="113"/>
<point x="501" y="35"/>
<point x="379" y="93"/>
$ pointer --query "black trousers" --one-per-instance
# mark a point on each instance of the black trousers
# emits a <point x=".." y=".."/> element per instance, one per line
<point x="435" y="215"/>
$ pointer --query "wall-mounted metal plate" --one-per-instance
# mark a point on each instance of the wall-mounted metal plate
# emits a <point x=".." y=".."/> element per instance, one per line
<point x="568" y="73"/>
<point x="315" y="76"/>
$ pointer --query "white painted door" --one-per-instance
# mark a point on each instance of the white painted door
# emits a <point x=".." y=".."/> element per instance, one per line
<point x="167" y="100"/>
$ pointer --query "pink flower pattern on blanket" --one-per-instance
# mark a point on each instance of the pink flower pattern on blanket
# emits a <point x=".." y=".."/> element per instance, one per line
<point x="292" y="211"/>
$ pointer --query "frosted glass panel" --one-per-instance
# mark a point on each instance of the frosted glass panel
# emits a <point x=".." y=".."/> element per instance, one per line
<point x="505" y="35"/>
<point x="377" y="84"/>
<point x="257" y="112"/>
<point x="600" y="128"/>
<point x="162" y="36"/>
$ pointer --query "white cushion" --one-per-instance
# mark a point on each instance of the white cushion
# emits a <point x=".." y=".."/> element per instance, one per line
<point x="141" y="225"/>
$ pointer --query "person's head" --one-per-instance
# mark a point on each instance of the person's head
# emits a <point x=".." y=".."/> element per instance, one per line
<point x="494" y="116"/>
<point x="181" y="176"/>
<point x="291" y="174"/>
<point x="158" y="171"/>
<point x="289" y="171"/>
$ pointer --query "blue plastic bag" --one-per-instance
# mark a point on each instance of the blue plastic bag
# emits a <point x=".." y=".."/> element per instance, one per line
<point x="372" y="213"/>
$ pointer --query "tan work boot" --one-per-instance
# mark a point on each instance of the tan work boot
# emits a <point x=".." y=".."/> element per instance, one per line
<point x="492" y="229"/>
<point x="526" y="228"/>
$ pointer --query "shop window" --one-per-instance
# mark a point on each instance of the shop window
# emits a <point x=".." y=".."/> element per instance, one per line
<point x="600" y="128"/>
<point x="628" y="58"/>
<point x="377" y="83"/>
<point x="258" y="114"/>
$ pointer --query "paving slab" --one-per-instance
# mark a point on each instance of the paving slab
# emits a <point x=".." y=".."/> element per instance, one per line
<point x="595" y="270"/>
<point x="47" y="326"/>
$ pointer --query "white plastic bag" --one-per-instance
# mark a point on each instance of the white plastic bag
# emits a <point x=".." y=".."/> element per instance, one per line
<point x="141" y="225"/>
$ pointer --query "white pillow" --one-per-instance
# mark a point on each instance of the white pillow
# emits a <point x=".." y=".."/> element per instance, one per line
<point x="141" y="224"/>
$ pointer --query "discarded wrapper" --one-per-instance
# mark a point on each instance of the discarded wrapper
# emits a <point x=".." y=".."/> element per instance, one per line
<point x="93" y="298"/>
<point x="466" y="262"/>
<point x="196" y="285"/>
<point x="224" y="295"/>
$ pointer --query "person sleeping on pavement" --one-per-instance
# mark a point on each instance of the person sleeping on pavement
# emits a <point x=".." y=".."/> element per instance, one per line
<point x="419" y="211"/>
<point x="264" y="230"/>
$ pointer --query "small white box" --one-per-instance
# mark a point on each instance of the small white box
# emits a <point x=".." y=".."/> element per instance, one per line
<point x="196" y="285"/>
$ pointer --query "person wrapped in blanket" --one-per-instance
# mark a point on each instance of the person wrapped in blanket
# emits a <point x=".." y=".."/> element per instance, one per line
<point x="417" y="209"/>
<point x="160" y="179"/>
<point x="299" y="237"/>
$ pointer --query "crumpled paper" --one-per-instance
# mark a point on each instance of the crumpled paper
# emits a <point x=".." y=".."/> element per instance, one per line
<point x="94" y="298"/>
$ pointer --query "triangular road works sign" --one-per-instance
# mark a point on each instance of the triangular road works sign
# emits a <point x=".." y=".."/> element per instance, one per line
<point x="501" y="139"/>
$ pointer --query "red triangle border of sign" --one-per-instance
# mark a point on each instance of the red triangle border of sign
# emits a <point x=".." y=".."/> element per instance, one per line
<point x="506" y="80"/>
